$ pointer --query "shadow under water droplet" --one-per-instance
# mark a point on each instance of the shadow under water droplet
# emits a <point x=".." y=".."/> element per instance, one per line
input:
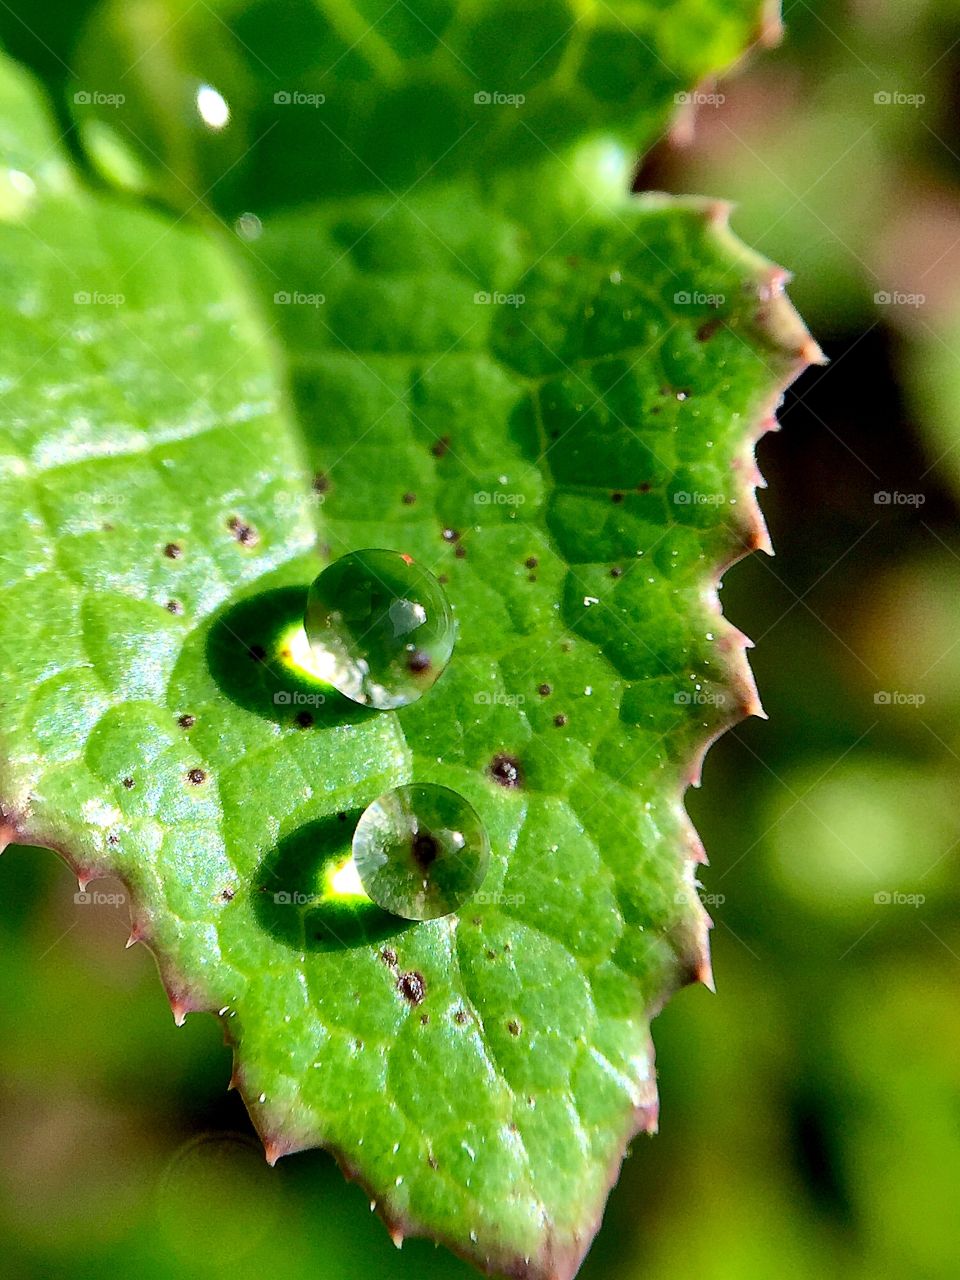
<point x="294" y="901"/>
<point x="249" y="656"/>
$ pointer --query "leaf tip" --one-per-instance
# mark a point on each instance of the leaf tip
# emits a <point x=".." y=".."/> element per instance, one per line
<point x="8" y="832"/>
<point x="273" y="1151"/>
<point x="137" y="934"/>
<point x="771" y="28"/>
<point x="704" y="973"/>
<point x="717" y="212"/>
<point x="180" y="1005"/>
<point x="812" y="353"/>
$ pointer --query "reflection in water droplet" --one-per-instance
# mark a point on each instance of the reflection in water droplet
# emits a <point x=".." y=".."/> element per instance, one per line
<point x="213" y="107"/>
<point x="380" y="628"/>
<point x="421" y="851"/>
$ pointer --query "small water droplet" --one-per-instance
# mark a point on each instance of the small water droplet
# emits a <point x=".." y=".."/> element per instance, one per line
<point x="381" y="629"/>
<point x="248" y="227"/>
<point x="421" y="851"/>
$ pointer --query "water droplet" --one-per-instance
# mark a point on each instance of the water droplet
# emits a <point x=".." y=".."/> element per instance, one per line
<point x="248" y="226"/>
<point x="421" y="851"/>
<point x="381" y="629"/>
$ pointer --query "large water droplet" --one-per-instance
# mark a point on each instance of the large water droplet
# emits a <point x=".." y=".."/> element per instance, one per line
<point x="421" y="851"/>
<point x="380" y="628"/>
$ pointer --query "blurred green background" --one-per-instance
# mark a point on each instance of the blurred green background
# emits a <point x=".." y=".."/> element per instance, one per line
<point x="810" y="1120"/>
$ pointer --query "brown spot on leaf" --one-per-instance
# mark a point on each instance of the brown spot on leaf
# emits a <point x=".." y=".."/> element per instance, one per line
<point x="461" y="551"/>
<point x="708" y="329"/>
<point x="244" y="533"/>
<point x="461" y="1016"/>
<point x="388" y="956"/>
<point x="616" y="572"/>
<point x="560" y="720"/>
<point x="440" y="447"/>
<point x="173" y="551"/>
<point x="196" y="776"/>
<point x="303" y="719"/>
<point x="418" y="661"/>
<point x="412" y="986"/>
<point x="186" y="721"/>
<point x="544" y="690"/>
<point x="321" y="483"/>
<point x="513" y="1027"/>
<point x="228" y="895"/>
<point x="450" y="535"/>
<point x="173" y="606"/>
<point x="128" y="783"/>
<point x="616" y="496"/>
<point x="531" y="562"/>
<point x="506" y="771"/>
<point x="408" y="499"/>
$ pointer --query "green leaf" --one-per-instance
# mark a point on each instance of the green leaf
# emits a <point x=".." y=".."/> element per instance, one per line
<point x="542" y="389"/>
